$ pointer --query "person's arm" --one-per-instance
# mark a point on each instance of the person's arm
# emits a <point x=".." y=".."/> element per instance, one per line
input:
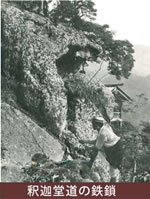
<point x="100" y="140"/>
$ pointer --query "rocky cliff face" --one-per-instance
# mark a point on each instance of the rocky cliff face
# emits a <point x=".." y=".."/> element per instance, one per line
<point x="33" y="55"/>
<point x="21" y="139"/>
<point x="29" y="60"/>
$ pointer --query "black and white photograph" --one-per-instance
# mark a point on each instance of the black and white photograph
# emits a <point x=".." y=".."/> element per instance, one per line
<point x="75" y="91"/>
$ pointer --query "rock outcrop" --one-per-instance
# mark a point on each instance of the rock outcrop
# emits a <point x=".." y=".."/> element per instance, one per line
<point x="34" y="53"/>
<point x="30" y="50"/>
<point x="21" y="139"/>
<point x="29" y="61"/>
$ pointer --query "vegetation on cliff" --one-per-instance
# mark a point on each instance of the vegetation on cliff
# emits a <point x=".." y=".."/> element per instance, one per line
<point x="42" y="57"/>
<point x="80" y="15"/>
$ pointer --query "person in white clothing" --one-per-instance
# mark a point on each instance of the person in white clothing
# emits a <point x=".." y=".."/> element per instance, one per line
<point x="109" y="143"/>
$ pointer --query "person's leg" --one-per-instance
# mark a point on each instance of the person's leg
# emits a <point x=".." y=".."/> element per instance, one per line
<point x="93" y="155"/>
<point x="114" y="157"/>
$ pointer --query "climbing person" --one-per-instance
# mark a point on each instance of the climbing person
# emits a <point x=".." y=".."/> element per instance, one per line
<point x="109" y="143"/>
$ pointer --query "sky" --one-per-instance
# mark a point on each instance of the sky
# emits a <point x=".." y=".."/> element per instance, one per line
<point x="129" y="19"/>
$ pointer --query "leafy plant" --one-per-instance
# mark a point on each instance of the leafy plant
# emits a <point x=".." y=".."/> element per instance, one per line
<point x="78" y="88"/>
<point x="72" y="12"/>
<point x="118" y="53"/>
<point x="54" y="172"/>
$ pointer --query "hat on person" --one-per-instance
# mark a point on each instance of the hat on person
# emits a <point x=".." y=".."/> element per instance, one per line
<point x="116" y="120"/>
<point x="98" y="120"/>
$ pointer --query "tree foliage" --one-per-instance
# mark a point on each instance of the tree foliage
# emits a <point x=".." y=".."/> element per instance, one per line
<point x="136" y="144"/>
<point x="80" y="14"/>
<point x="118" y="53"/>
<point x="79" y="88"/>
<point x="38" y="6"/>
<point x="73" y="11"/>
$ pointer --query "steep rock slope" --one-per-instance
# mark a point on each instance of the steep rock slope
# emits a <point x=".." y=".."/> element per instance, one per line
<point x="30" y="51"/>
<point x="21" y="139"/>
<point x="30" y="66"/>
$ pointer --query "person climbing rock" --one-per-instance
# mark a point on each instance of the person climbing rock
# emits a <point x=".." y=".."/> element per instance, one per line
<point x="109" y="143"/>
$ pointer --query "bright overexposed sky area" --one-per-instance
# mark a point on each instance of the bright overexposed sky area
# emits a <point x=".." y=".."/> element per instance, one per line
<point x="129" y="19"/>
